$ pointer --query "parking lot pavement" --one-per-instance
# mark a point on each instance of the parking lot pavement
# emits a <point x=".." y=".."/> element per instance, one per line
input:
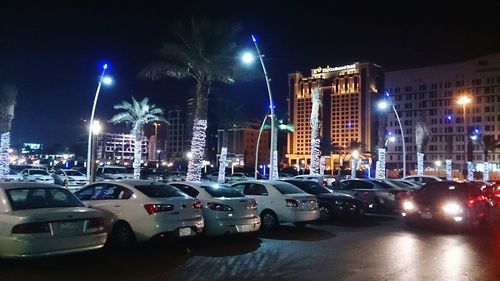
<point x="375" y="248"/>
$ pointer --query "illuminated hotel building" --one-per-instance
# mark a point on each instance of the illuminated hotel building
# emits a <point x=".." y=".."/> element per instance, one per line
<point x="347" y="95"/>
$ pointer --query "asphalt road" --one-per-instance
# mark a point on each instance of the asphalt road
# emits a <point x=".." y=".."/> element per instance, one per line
<point x="377" y="248"/>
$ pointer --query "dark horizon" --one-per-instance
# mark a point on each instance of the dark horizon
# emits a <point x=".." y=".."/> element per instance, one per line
<point x="53" y="52"/>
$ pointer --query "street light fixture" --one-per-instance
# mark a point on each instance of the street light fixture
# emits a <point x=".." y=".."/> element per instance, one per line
<point x="248" y="58"/>
<point x="106" y="80"/>
<point x="383" y="105"/>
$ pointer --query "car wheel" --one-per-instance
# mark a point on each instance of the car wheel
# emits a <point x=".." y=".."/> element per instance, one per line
<point x="268" y="219"/>
<point x="122" y="236"/>
<point x="325" y="213"/>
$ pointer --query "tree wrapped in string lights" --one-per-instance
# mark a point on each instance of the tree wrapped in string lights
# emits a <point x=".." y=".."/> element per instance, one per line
<point x="315" y="140"/>
<point x="8" y="95"/>
<point x="421" y="139"/>
<point x="222" y="165"/>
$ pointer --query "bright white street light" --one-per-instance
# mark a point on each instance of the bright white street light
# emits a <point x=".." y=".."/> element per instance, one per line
<point x="107" y="80"/>
<point x="355" y="154"/>
<point x="382" y="105"/>
<point x="392" y="138"/>
<point x="189" y="155"/>
<point x="438" y="163"/>
<point x="96" y="127"/>
<point x="248" y="58"/>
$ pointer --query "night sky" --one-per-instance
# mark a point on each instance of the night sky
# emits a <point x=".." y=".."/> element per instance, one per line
<point x="53" y="52"/>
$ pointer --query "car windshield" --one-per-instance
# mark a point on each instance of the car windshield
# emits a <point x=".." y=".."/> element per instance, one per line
<point x="73" y="173"/>
<point x="286" y="188"/>
<point x="115" y="170"/>
<point x="160" y="191"/>
<point x="37" y="198"/>
<point x="39" y="172"/>
<point x="221" y="191"/>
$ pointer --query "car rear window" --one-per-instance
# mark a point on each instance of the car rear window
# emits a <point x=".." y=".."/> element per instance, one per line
<point x="440" y="189"/>
<point x="37" y="198"/>
<point x="73" y="173"/>
<point x="160" y="191"/>
<point x="286" y="188"/>
<point x="39" y="172"/>
<point x="220" y="191"/>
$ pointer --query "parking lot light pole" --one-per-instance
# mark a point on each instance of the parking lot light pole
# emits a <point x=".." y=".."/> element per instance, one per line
<point x="463" y="101"/>
<point x="102" y="80"/>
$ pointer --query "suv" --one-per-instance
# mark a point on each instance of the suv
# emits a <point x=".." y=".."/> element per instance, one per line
<point x="114" y="173"/>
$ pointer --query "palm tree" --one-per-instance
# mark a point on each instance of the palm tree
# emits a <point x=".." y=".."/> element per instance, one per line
<point x="138" y="113"/>
<point x="8" y="95"/>
<point x="205" y="53"/>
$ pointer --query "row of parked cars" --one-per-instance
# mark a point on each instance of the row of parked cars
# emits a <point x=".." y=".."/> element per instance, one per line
<point x="42" y="219"/>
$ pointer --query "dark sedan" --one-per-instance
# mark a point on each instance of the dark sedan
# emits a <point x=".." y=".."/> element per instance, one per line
<point x="331" y="204"/>
<point x="447" y="202"/>
<point x="377" y="195"/>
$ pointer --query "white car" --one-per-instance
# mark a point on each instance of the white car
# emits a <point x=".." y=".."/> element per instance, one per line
<point x="328" y="181"/>
<point x="239" y="177"/>
<point x="225" y="210"/>
<point x="143" y="209"/>
<point x="44" y="219"/>
<point x="72" y="179"/>
<point x="280" y="202"/>
<point x="14" y="176"/>
<point x="37" y="175"/>
<point x="114" y="173"/>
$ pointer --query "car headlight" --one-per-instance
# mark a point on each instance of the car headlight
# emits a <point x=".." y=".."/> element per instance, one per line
<point x="452" y="208"/>
<point x="408" y="206"/>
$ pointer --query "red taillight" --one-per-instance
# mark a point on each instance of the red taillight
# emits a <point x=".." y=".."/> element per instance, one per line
<point x="291" y="203"/>
<point x="95" y="223"/>
<point x="197" y="205"/>
<point x="156" y="208"/>
<point x="35" y="227"/>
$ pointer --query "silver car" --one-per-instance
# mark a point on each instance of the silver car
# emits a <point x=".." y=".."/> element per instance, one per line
<point x="45" y="219"/>
<point x="225" y="210"/>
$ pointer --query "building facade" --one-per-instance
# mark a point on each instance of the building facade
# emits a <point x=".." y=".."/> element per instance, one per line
<point x="346" y="115"/>
<point x="429" y="95"/>
<point x="176" y="144"/>
<point x="241" y="146"/>
<point x="119" y="148"/>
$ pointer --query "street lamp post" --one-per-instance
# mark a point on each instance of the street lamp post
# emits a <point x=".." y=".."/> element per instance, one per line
<point x="156" y="136"/>
<point x="257" y="145"/>
<point x="96" y="128"/>
<point x="463" y="101"/>
<point x="107" y="81"/>
<point x="247" y="58"/>
<point x="383" y="105"/>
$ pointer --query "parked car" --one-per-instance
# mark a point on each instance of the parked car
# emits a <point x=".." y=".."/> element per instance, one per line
<point x="376" y="195"/>
<point x="173" y="176"/>
<point x="226" y="211"/>
<point x="44" y="219"/>
<point x="14" y="176"/>
<point x="403" y="183"/>
<point x="113" y="173"/>
<point x="70" y="178"/>
<point x="331" y="204"/>
<point x="487" y="188"/>
<point x="141" y="210"/>
<point x="239" y="177"/>
<point x="421" y="180"/>
<point x="447" y="202"/>
<point x="328" y="181"/>
<point x="37" y="175"/>
<point x="151" y="174"/>
<point x="280" y="202"/>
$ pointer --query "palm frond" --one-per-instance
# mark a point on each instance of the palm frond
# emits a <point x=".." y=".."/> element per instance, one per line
<point x="122" y="117"/>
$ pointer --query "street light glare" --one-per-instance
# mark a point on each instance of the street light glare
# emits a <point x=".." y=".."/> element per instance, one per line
<point x="355" y="154"/>
<point x="105" y="66"/>
<point x="253" y="39"/>
<point x="464" y="100"/>
<point x="382" y="105"/>
<point x="247" y="58"/>
<point x="107" y="80"/>
<point x="392" y="138"/>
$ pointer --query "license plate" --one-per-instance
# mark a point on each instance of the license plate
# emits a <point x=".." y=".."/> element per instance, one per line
<point x="67" y="227"/>
<point x="186" y="231"/>
<point x="426" y="216"/>
<point x="245" y="228"/>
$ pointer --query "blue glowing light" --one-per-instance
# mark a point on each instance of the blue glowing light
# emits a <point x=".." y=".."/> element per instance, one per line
<point x="449" y="117"/>
<point x="476" y="131"/>
<point x="253" y="39"/>
<point x="386" y="93"/>
<point x="349" y="124"/>
<point x="105" y="66"/>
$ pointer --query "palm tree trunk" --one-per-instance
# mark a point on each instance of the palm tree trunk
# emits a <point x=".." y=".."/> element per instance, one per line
<point x="6" y="114"/>
<point x="198" y="141"/>
<point x="137" y="153"/>
<point x="315" y="142"/>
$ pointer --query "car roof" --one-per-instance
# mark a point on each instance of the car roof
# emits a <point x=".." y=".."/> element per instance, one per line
<point x="132" y="182"/>
<point x="14" y="185"/>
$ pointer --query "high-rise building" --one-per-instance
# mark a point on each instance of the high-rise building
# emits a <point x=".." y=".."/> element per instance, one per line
<point x="346" y="115"/>
<point x="119" y="148"/>
<point x="241" y="144"/>
<point x="176" y="144"/>
<point x="430" y="95"/>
